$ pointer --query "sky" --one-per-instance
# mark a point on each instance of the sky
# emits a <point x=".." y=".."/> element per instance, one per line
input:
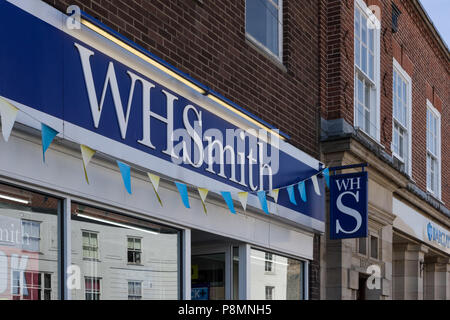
<point x="439" y="12"/>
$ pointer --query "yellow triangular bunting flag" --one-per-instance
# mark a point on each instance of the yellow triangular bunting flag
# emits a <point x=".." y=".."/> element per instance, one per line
<point x="203" y="193"/>
<point x="87" y="154"/>
<point x="243" y="199"/>
<point x="274" y="194"/>
<point x="155" y="184"/>
<point x="8" y="112"/>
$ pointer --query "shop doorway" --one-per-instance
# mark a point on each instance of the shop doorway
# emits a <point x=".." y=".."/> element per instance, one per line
<point x="214" y="267"/>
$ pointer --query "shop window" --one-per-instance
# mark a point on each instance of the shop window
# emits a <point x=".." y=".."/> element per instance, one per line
<point x="92" y="288"/>
<point x="263" y="25"/>
<point x="29" y="241"/>
<point x="134" y="250"/>
<point x="366" y="45"/>
<point x="286" y="284"/>
<point x="90" y="245"/>
<point x="122" y="272"/>
<point x="134" y="290"/>
<point x="401" y="137"/>
<point x="433" y="151"/>
<point x="374" y="247"/>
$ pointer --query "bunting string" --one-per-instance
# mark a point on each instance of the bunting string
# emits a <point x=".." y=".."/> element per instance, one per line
<point x="8" y="114"/>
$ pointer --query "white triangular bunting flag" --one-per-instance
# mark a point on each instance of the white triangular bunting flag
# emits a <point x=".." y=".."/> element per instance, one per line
<point x="8" y="112"/>
<point x="243" y="196"/>
<point x="315" y="184"/>
<point x="155" y="183"/>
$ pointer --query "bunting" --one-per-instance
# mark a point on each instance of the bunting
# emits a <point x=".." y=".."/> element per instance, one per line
<point x="228" y="200"/>
<point x="8" y="113"/>
<point x="182" y="189"/>
<point x="243" y="196"/>
<point x="48" y="134"/>
<point x="326" y="173"/>
<point x="274" y="193"/>
<point x="263" y="201"/>
<point x="302" y="190"/>
<point x="87" y="154"/>
<point x="154" y="179"/>
<point x="126" y="175"/>
<point x="315" y="184"/>
<point x="203" y="192"/>
<point x="290" y="190"/>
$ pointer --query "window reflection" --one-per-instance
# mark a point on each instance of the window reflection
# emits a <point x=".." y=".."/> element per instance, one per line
<point x="28" y="245"/>
<point x="274" y="277"/>
<point x="123" y="257"/>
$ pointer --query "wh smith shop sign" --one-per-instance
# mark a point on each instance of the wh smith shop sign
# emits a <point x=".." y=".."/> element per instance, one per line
<point x="96" y="93"/>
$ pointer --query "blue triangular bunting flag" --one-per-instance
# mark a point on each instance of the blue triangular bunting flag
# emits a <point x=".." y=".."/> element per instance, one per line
<point x="48" y="134"/>
<point x="326" y="173"/>
<point x="263" y="201"/>
<point x="126" y="175"/>
<point x="302" y="190"/>
<point x="291" y="193"/>
<point x="182" y="189"/>
<point x="228" y="200"/>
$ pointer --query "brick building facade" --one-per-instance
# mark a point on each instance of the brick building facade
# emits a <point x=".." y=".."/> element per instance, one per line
<point x="406" y="44"/>
<point x="310" y="94"/>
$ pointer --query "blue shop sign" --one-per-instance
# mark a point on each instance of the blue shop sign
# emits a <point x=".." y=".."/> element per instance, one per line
<point x="110" y="103"/>
<point x="349" y="205"/>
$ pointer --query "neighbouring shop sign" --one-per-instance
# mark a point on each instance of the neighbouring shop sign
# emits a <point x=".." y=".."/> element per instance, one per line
<point x="437" y="235"/>
<point x="349" y="205"/>
<point x="413" y="222"/>
<point x="97" y="94"/>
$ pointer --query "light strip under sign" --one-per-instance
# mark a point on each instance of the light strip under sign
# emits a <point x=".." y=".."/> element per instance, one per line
<point x="115" y="223"/>
<point x="173" y="74"/>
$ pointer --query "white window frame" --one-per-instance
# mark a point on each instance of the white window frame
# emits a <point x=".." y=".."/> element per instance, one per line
<point x="278" y="57"/>
<point x="434" y="111"/>
<point x="408" y="163"/>
<point x="375" y="98"/>
<point x="269" y="262"/>
<point x="98" y="244"/>
<point x="269" y="290"/>
<point x="33" y="224"/>
<point x="91" y="291"/>
<point x="134" y="295"/>
<point x="134" y="250"/>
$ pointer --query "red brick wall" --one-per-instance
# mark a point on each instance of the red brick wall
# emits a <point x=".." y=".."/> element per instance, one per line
<point x="417" y="51"/>
<point x="430" y="69"/>
<point x="206" y="39"/>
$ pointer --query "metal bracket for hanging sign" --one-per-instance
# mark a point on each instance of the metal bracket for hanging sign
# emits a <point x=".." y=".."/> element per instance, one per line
<point x="351" y="166"/>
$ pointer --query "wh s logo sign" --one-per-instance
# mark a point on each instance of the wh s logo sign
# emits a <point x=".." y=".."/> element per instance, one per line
<point x="348" y="205"/>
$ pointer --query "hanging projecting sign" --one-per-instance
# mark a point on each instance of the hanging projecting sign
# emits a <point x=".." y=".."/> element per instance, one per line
<point x="103" y="96"/>
<point x="348" y="205"/>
